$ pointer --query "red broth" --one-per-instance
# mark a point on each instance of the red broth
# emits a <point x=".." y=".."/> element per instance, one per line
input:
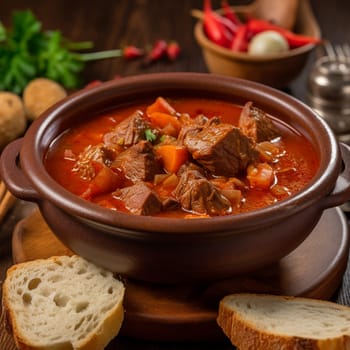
<point x="292" y="171"/>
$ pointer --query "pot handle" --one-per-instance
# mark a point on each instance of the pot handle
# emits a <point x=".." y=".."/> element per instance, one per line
<point x="12" y="174"/>
<point x="341" y="191"/>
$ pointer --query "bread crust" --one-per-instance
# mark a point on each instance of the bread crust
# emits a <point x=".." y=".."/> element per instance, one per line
<point x="245" y="335"/>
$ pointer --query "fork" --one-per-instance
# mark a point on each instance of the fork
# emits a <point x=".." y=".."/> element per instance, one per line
<point x="339" y="53"/>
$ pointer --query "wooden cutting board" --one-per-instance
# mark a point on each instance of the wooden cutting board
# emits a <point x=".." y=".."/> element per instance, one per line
<point x="188" y="312"/>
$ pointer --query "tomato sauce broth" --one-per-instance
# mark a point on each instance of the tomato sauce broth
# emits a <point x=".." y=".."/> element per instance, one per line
<point x="299" y="154"/>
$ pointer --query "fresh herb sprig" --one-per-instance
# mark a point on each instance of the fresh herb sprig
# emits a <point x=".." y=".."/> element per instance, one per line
<point x="17" y="64"/>
<point x="27" y="52"/>
<point x="150" y="135"/>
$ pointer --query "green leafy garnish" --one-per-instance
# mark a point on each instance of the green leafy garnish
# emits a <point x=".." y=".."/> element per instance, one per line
<point x="58" y="63"/>
<point x="150" y="135"/>
<point x="2" y="32"/>
<point x="17" y="64"/>
<point x="27" y="52"/>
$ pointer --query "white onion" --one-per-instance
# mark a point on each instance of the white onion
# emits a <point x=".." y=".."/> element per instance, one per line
<point x="267" y="42"/>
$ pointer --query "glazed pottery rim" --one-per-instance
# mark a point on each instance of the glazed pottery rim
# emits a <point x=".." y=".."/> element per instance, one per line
<point x="243" y="56"/>
<point x="32" y="152"/>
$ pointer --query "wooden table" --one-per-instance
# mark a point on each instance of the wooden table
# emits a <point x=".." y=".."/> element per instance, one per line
<point x="113" y="24"/>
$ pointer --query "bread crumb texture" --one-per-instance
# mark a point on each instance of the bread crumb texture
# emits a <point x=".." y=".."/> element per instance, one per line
<point x="254" y="322"/>
<point x="62" y="301"/>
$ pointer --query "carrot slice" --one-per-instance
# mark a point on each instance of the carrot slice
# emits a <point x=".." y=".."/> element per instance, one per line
<point x="160" y="105"/>
<point x="168" y="124"/>
<point x="105" y="181"/>
<point x="173" y="156"/>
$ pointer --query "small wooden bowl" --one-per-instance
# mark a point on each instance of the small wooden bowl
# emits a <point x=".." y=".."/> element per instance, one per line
<point x="276" y="70"/>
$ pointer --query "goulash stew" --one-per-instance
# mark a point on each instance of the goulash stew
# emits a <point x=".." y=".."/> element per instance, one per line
<point x="186" y="158"/>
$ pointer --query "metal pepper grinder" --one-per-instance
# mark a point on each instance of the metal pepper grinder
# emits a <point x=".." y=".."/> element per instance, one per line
<point x="329" y="89"/>
<point x="329" y="92"/>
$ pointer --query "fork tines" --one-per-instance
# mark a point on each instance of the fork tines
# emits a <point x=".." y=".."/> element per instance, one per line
<point x="339" y="51"/>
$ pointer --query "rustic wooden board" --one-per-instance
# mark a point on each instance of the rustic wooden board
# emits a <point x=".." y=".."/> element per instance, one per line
<point x="163" y="312"/>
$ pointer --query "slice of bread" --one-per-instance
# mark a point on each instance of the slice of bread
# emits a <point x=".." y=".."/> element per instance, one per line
<point x="62" y="303"/>
<point x="266" y="322"/>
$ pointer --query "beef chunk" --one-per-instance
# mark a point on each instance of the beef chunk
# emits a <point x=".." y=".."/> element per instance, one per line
<point x="191" y="126"/>
<point x="84" y="164"/>
<point x="139" y="162"/>
<point x="170" y="203"/>
<point x="195" y="169"/>
<point x="129" y="132"/>
<point x="254" y="123"/>
<point x="198" y="195"/>
<point x="221" y="148"/>
<point x="139" y="199"/>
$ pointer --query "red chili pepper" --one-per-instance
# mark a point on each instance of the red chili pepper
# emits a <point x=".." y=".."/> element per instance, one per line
<point x="240" y="40"/>
<point x="229" y="26"/>
<point x="93" y="84"/>
<point x="131" y="52"/>
<point x="230" y="14"/>
<point x="158" y="50"/>
<point x="173" y="50"/>
<point x="98" y="82"/>
<point x="214" y="27"/>
<point x="297" y="40"/>
<point x="294" y="40"/>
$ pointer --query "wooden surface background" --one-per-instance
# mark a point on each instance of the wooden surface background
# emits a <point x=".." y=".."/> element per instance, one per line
<point x="112" y="24"/>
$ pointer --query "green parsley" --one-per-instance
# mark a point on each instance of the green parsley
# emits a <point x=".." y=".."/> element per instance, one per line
<point x="27" y="52"/>
<point x="150" y="135"/>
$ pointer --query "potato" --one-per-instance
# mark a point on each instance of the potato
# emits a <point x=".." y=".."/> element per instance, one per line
<point x="40" y="94"/>
<point x="12" y="118"/>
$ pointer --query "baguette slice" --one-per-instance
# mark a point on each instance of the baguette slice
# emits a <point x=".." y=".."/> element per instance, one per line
<point x="266" y="322"/>
<point x="62" y="303"/>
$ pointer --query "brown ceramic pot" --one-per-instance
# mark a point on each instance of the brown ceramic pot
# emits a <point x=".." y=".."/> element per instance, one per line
<point x="174" y="250"/>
